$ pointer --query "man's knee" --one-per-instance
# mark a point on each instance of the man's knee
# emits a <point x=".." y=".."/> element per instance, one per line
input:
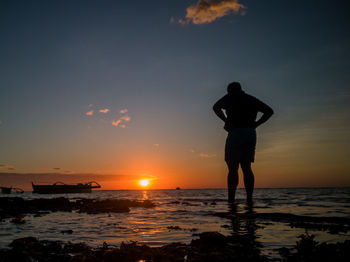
<point x="233" y="166"/>
<point x="246" y="168"/>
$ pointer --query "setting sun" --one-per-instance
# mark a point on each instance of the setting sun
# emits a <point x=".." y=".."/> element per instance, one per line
<point x="144" y="182"/>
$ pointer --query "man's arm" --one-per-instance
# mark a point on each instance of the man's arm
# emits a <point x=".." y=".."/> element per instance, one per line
<point x="218" y="109"/>
<point x="267" y="113"/>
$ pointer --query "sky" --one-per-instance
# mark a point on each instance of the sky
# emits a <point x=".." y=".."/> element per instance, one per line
<point x="114" y="91"/>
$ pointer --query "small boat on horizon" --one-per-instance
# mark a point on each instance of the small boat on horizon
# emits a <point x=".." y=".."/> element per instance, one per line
<point x="7" y="190"/>
<point x="62" y="188"/>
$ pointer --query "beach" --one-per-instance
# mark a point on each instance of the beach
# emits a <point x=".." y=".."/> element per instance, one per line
<point x="157" y="218"/>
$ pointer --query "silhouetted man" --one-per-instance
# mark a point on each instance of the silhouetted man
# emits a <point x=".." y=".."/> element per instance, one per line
<point x="240" y="121"/>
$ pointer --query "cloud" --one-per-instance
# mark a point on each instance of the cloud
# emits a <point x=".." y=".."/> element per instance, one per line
<point x="191" y="150"/>
<point x="0" y="122"/>
<point x="104" y="111"/>
<point x="56" y="168"/>
<point x="116" y="122"/>
<point x="204" y="155"/>
<point x="7" y="167"/>
<point x="121" y="121"/>
<point x="183" y="22"/>
<point x="205" y="11"/>
<point x="126" y="118"/>
<point x="156" y="145"/>
<point x="91" y="105"/>
<point x="89" y="113"/>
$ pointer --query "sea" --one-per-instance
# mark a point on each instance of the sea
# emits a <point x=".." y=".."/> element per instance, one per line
<point x="180" y="215"/>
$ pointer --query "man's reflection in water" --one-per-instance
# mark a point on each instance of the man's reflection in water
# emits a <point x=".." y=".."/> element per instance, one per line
<point x="244" y="227"/>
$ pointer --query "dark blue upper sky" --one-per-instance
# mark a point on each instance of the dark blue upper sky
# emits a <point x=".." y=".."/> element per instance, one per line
<point x="59" y="57"/>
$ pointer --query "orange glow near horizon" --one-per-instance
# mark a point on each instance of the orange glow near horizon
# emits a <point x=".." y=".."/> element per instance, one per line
<point x="144" y="182"/>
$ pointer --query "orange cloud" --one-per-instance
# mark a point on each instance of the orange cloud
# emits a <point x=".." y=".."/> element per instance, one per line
<point x="121" y="121"/>
<point x="4" y="166"/>
<point x="116" y="122"/>
<point x="204" y="155"/>
<point x="104" y="111"/>
<point x="205" y="11"/>
<point x="89" y="113"/>
<point x="126" y="118"/>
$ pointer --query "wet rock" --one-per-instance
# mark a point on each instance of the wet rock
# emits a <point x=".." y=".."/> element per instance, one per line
<point x="284" y="252"/>
<point x="211" y="246"/>
<point x="189" y="204"/>
<point x="173" y="228"/>
<point x="15" y="206"/>
<point x="209" y="240"/>
<point x="307" y="249"/>
<point x="24" y="243"/>
<point x="69" y="231"/>
<point x="18" y="220"/>
<point x="172" y="252"/>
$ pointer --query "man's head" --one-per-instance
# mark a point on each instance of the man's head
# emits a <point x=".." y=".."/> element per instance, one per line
<point x="234" y="88"/>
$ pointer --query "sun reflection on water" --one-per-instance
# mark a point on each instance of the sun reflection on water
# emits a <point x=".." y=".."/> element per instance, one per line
<point x="144" y="195"/>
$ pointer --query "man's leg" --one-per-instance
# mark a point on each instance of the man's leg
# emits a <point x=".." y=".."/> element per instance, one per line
<point x="248" y="180"/>
<point x="232" y="180"/>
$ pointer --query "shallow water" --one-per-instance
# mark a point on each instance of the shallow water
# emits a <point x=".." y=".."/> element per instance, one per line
<point x="191" y="211"/>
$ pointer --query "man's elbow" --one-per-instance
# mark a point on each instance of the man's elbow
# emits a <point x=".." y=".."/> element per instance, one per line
<point x="268" y="113"/>
<point x="216" y="108"/>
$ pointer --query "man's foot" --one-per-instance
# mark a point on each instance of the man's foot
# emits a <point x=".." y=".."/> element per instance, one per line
<point x="250" y="202"/>
<point x="232" y="207"/>
<point x="231" y="196"/>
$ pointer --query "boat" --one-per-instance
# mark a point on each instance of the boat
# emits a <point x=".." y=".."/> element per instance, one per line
<point x="62" y="188"/>
<point x="7" y="190"/>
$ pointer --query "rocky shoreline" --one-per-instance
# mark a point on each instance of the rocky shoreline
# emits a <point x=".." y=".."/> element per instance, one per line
<point x="241" y="245"/>
<point x="17" y="207"/>
<point x="210" y="246"/>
